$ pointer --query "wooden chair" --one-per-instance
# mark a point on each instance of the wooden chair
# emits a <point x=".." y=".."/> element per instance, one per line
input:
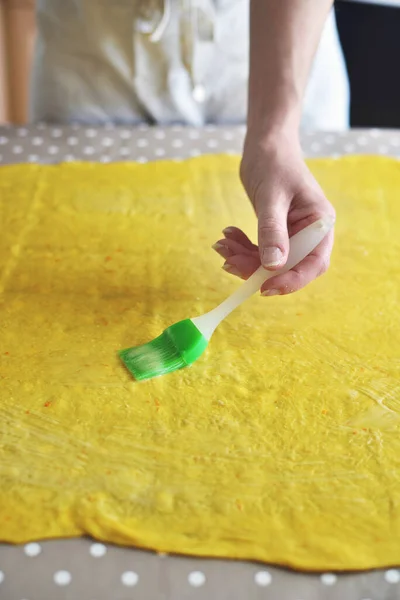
<point x="17" y="35"/>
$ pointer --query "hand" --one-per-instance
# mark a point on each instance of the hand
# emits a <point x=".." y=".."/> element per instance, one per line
<point x="286" y="198"/>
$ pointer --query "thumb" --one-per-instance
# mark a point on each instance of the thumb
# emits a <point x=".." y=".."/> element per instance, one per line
<point x="273" y="238"/>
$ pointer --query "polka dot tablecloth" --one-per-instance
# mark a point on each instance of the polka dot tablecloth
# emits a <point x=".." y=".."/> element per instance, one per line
<point x="81" y="569"/>
<point x="46" y="144"/>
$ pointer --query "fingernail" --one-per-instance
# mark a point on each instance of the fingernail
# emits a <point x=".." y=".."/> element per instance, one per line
<point x="271" y="293"/>
<point x="227" y="230"/>
<point x="217" y="246"/>
<point x="231" y="269"/>
<point x="272" y="257"/>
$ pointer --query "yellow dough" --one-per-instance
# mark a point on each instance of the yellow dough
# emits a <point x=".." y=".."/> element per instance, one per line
<point x="280" y="444"/>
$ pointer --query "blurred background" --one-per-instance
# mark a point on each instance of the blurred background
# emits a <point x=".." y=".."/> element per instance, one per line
<point x="370" y="37"/>
<point x="369" y="33"/>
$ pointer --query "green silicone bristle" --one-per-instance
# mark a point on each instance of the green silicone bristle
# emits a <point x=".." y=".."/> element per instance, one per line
<point x="177" y="347"/>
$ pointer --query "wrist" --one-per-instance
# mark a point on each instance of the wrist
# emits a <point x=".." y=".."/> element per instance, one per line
<point x="273" y="139"/>
<point x="279" y="112"/>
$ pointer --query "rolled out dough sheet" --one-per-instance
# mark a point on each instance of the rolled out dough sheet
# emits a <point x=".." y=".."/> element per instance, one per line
<point x="281" y="444"/>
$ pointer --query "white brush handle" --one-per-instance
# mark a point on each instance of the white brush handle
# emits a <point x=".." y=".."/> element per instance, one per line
<point x="301" y="244"/>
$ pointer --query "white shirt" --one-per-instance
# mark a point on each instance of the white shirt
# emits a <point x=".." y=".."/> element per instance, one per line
<point x="164" y="61"/>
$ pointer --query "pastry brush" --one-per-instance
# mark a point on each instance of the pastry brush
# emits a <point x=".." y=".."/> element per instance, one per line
<point x="183" y="343"/>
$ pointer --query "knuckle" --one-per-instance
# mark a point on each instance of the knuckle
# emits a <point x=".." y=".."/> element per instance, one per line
<point x="290" y="289"/>
<point x="270" y="225"/>
<point x="293" y="283"/>
<point x="320" y="207"/>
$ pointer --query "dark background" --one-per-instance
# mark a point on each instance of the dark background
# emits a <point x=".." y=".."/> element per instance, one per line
<point x="370" y="37"/>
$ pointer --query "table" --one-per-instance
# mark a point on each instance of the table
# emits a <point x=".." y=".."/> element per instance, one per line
<point x="81" y="569"/>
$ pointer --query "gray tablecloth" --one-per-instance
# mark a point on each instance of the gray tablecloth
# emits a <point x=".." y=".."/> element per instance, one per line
<point x="81" y="569"/>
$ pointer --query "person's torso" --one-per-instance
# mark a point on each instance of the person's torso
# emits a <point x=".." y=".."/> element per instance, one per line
<point x="130" y="60"/>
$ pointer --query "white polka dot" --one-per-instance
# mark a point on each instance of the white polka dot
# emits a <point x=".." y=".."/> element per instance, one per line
<point x="33" y="158"/>
<point x="56" y="133"/>
<point x="335" y="155"/>
<point x="395" y="142"/>
<point x="69" y="157"/>
<point x="88" y="150"/>
<point x="160" y="152"/>
<point x="227" y="135"/>
<point x="32" y="549"/>
<point x="315" y="147"/>
<point x="129" y="578"/>
<point x="142" y="159"/>
<point x="329" y="139"/>
<point x="3" y="140"/>
<point x="212" y="143"/>
<point x="195" y="152"/>
<point x="22" y="132"/>
<point x="72" y="140"/>
<point x="142" y="143"/>
<point x="194" y="134"/>
<point x="1" y="576"/>
<point x="125" y="134"/>
<point x="159" y="135"/>
<point x="107" y="141"/>
<point x="17" y="149"/>
<point x="392" y="576"/>
<point x="263" y="578"/>
<point x="91" y="133"/>
<point x="362" y="140"/>
<point x="196" y="578"/>
<point x="374" y="133"/>
<point x="124" y="151"/>
<point x="37" y="141"/>
<point x="383" y="149"/>
<point x="328" y="578"/>
<point x="349" y="147"/>
<point x="177" y="143"/>
<point x="105" y="159"/>
<point x="62" y="577"/>
<point x="97" y="550"/>
<point x="53" y="149"/>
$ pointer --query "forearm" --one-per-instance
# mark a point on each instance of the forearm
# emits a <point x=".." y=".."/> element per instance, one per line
<point x="284" y="36"/>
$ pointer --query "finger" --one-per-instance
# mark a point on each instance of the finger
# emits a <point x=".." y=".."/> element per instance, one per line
<point x="314" y="265"/>
<point x="222" y="250"/>
<point x="228" y="247"/>
<point x="273" y="238"/>
<point x="236" y="234"/>
<point x="296" y="225"/>
<point x="242" y="266"/>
